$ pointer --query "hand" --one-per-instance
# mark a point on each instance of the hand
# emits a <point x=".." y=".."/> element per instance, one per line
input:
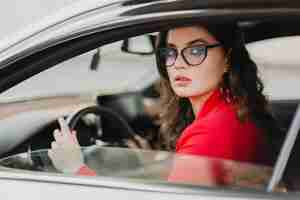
<point x="65" y="151"/>
<point x="138" y="143"/>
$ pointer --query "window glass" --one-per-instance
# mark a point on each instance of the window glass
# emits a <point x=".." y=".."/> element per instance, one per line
<point x="148" y="165"/>
<point x="278" y="69"/>
<point x="115" y="71"/>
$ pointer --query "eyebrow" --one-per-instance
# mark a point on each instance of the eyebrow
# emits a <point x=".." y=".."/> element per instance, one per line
<point x="191" y="42"/>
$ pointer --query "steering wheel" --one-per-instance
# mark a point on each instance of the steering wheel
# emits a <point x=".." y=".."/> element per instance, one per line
<point x="115" y="127"/>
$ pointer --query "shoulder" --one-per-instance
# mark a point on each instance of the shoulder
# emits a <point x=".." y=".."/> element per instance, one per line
<point x="223" y="119"/>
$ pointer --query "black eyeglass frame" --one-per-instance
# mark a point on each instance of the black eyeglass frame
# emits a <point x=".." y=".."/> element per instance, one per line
<point x="183" y="56"/>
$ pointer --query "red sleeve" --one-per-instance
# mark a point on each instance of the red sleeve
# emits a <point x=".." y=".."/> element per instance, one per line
<point x="86" y="171"/>
<point x="199" y="171"/>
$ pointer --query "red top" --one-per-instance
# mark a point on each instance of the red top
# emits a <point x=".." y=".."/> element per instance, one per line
<point x="217" y="133"/>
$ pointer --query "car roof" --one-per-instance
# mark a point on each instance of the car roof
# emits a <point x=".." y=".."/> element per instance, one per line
<point x="81" y="6"/>
<point x="68" y="11"/>
<point x="22" y="13"/>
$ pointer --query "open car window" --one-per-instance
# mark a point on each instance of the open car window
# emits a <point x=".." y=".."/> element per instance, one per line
<point x="119" y="79"/>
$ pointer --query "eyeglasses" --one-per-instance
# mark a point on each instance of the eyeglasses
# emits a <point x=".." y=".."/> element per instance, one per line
<point x="193" y="55"/>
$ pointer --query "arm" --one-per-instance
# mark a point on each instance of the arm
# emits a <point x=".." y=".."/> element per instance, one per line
<point x="230" y="141"/>
<point x="65" y="152"/>
<point x="195" y="163"/>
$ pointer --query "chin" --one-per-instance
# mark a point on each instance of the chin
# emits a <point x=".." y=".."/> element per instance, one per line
<point x="189" y="92"/>
<point x="185" y="93"/>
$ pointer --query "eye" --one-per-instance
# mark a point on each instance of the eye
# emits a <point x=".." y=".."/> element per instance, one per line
<point x="197" y="51"/>
<point x="169" y="52"/>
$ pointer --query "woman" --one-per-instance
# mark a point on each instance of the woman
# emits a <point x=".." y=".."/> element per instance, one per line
<point x="211" y="94"/>
<point x="212" y="99"/>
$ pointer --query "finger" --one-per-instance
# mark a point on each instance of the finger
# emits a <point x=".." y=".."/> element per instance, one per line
<point x="131" y="144"/>
<point x="59" y="138"/>
<point x="57" y="135"/>
<point x="74" y="137"/>
<point x="142" y="142"/>
<point x="54" y="145"/>
<point x="50" y="153"/>
<point x="73" y="133"/>
<point x="65" y="130"/>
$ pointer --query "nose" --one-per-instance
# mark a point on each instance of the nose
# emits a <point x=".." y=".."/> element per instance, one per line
<point x="180" y="62"/>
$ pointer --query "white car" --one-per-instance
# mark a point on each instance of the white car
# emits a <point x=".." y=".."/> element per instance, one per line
<point x="93" y="63"/>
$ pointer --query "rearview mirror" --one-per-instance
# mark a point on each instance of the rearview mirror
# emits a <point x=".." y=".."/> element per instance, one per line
<point x="141" y="45"/>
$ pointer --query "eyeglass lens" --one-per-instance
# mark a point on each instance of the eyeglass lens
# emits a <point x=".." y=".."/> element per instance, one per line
<point x="192" y="55"/>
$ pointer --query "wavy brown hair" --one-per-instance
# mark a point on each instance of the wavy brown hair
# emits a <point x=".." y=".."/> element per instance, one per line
<point x="241" y="83"/>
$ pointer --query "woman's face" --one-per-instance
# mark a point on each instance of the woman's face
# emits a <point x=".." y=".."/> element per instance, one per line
<point x="193" y="81"/>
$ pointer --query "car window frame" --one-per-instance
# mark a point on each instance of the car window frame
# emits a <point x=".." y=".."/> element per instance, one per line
<point x="29" y="66"/>
<point x="168" y="19"/>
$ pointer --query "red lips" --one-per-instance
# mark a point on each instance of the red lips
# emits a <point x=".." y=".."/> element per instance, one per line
<point x="182" y="78"/>
<point x="182" y="81"/>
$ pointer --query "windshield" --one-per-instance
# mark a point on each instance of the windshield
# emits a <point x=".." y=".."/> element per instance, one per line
<point x="149" y="165"/>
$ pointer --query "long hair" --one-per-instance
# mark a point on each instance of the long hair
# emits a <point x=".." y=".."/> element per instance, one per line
<point x="241" y="83"/>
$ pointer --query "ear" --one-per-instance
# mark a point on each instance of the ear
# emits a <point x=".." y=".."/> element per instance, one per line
<point x="227" y="56"/>
<point x="226" y="69"/>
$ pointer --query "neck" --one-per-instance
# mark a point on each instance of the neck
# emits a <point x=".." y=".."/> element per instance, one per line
<point x="198" y="101"/>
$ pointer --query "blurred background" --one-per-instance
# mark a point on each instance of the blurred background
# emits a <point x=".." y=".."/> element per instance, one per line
<point x="15" y="14"/>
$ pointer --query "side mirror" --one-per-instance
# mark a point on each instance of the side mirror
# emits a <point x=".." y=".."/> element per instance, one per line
<point x="141" y="45"/>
